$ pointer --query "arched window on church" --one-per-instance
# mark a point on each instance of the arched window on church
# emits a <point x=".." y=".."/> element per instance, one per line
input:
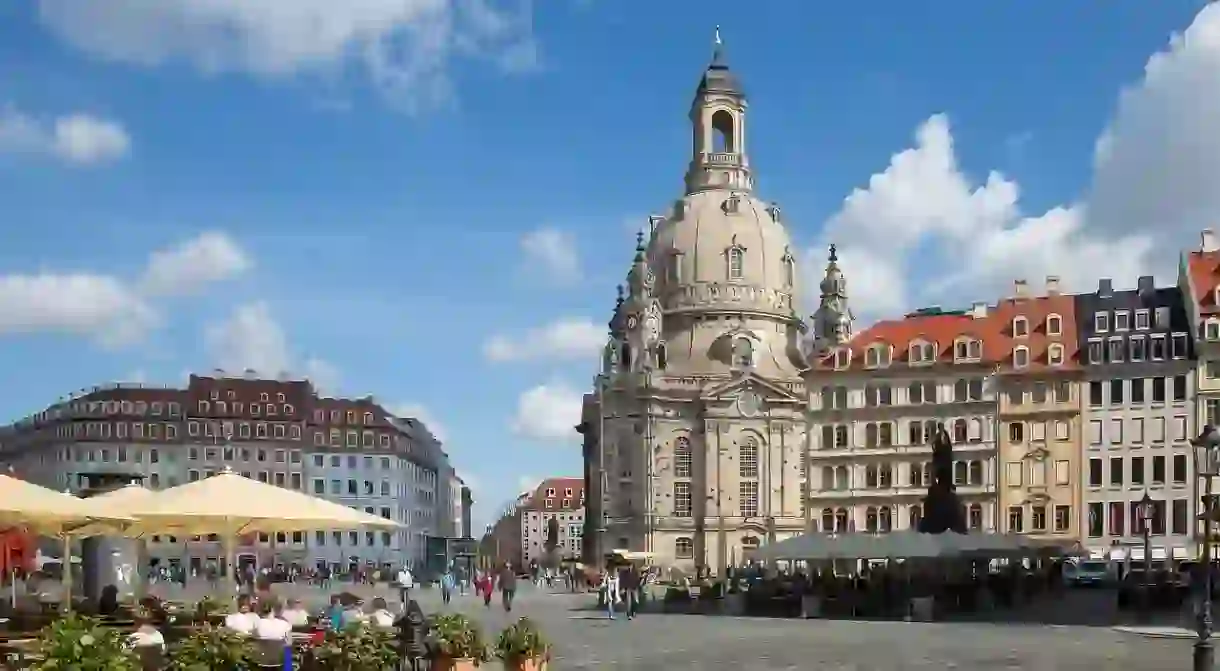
<point x="828" y="519"/>
<point x="724" y="135"/>
<point x="662" y="356"/>
<point x="737" y="262"/>
<point x="682" y="457"/>
<point x="747" y="457"/>
<point x="625" y="358"/>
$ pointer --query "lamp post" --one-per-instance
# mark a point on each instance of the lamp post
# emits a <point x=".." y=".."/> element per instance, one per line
<point x="1207" y="466"/>
<point x="1147" y="509"/>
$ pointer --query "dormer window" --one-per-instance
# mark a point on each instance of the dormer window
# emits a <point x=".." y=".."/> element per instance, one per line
<point x="921" y="352"/>
<point x="1122" y="321"/>
<point x="1020" y="357"/>
<point x="1054" y="325"/>
<point x="1101" y="322"/>
<point x="773" y="211"/>
<point x="967" y="349"/>
<point x="1211" y="330"/>
<point x="842" y="358"/>
<point x="1141" y="320"/>
<point x="1054" y="355"/>
<point x="877" y="356"/>
<point x="731" y="205"/>
<point x="789" y="269"/>
<point x="737" y="261"/>
<point x="1020" y="327"/>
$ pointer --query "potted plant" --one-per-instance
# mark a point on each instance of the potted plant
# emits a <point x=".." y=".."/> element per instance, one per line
<point x="522" y="647"/>
<point x="457" y="643"/>
<point x="82" y="644"/>
<point x="356" y="648"/>
<point x="208" y="648"/>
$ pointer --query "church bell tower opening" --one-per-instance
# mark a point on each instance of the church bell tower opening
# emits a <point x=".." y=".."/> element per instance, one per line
<point x="724" y="135"/>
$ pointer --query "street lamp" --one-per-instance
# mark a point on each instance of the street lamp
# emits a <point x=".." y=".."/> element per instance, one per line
<point x="1147" y="509"/>
<point x="1207" y="466"/>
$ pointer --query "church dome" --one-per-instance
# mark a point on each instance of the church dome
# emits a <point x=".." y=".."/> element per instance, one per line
<point x="724" y="250"/>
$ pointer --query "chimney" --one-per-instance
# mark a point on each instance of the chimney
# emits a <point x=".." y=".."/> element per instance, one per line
<point x="978" y="310"/>
<point x="1020" y="288"/>
<point x="1207" y="241"/>
<point x="1146" y="284"/>
<point x="1052" y="285"/>
<point x="1105" y="287"/>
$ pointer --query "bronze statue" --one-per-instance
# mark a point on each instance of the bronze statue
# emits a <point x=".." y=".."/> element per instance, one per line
<point x="942" y="510"/>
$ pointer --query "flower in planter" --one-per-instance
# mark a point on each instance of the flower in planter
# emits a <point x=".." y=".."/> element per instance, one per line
<point x="82" y="644"/>
<point x="208" y="608"/>
<point x="356" y="648"/>
<point x="210" y="647"/>
<point x="521" y="644"/>
<point x="455" y="636"/>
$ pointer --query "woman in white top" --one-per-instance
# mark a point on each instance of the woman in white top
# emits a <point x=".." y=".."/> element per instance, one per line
<point x="146" y="635"/>
<point x="243" y="621"/>
<point x="294" y="614"/>
<point x="381" y="617"/>
<point x="270" y="627"/>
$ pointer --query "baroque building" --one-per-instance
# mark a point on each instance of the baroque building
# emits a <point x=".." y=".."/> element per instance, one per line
<point x="695" y="429"/>
<point x="875" y="402"/>
<point x="1039" y="406"/>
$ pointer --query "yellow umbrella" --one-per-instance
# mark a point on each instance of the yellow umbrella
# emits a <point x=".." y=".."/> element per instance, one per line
<point x="46" y="511"/>
<point x="51" y="513"/>
<point x="229" y="504"/>
<point x="115" y="502"/>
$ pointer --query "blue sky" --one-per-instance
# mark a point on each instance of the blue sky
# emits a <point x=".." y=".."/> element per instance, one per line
<point x="402" y="204"/>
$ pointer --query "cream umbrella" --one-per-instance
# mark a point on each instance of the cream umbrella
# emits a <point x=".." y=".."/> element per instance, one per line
<point x="230" y="505"/>
<point x="51" y="513"/>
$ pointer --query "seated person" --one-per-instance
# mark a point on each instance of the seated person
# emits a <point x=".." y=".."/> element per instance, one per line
<point x="381" y="617"/>
<point x="244" y="620"/>
<point x="108" y="601"/>
<point x="354" y="613"/>
<point x="271" y="628"/>
<point x="334" y="613"/>
<point x="294" y="615"/>
<point x="146" y="634"/>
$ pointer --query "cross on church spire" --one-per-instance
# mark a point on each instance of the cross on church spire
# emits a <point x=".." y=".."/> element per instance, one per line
<point x="718" y="42"/>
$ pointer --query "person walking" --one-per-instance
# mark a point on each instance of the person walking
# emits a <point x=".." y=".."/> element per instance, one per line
<point x="609" y="588"/>
<point x="629" y="583"/>
<point x="447" y="585"/>
<point x="508" y="587"/>
<point x="486" y="586"/>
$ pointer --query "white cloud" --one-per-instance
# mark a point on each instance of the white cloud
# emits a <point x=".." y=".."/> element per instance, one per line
<point x="76" y="139"/>
<point x="553" y="252"/>
<point x="423" y="414"/>
<point x="1151" y="191"/>
<point x="251" y="338"/>
<point x="106" y="308"/>
<point x="566" y="338"/>
<point x="402" y="46"/>
<point x="548" y="412"/>
<point x="97" y="306"/>
<point x="209" y="258"/>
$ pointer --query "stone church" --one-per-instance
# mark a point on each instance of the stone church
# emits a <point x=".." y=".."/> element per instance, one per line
<point x="694" y="433"/>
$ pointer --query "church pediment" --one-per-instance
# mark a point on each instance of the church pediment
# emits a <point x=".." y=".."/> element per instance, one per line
<point x="748" y="381"/>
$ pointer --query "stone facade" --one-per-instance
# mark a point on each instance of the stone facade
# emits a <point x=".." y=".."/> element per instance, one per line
<point x="695" y="429"/>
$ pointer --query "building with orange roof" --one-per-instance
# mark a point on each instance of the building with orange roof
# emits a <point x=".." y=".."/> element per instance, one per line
<point x="519" y="536"/>
<point x="1039" y="413"/>
<point x="1138" y="414"/>
<point x="1199" y="280"/>
<point x="874" y="403"/>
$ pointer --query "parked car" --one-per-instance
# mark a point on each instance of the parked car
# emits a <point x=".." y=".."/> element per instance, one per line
<point x="1087" y="573"/>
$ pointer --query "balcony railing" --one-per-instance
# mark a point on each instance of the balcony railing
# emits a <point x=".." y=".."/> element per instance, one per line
<point x="723" y="158"/>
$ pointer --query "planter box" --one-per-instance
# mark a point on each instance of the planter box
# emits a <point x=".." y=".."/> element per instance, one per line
<point x="450" y="664"/>
<point x="734" y="604"/>
<point x="923" y="609"/>
<point x="811" y="606"/>
<point x="528" y="664"/>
